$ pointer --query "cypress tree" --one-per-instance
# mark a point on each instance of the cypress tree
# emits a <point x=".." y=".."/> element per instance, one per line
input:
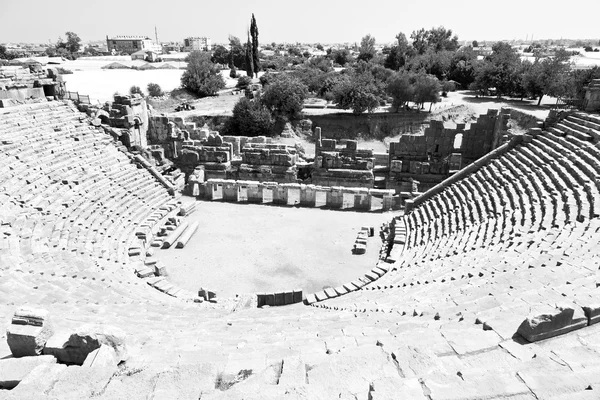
<point x="254" y="33"/>
<point x="249" y="63"/>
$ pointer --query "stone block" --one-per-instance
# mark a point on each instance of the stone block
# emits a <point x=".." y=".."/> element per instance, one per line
<point x="280" y="299"/>
<point x="13" y="370"/>
<point x="74" y="348"/>
<point x="29" y="331"/>
<point x="297" y="295"/>
<point x="288" y="298"/>
<point x="543" y="326"/>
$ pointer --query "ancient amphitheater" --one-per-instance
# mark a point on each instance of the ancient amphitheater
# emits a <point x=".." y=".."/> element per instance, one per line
<point x="487" y="287"/>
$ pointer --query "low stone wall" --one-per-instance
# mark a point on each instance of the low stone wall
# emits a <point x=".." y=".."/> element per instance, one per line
<point x="305" y="195"/>
<point x="279" y="298"/>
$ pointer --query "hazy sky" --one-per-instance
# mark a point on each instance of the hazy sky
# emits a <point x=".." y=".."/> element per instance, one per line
<point x="309" y="21"/>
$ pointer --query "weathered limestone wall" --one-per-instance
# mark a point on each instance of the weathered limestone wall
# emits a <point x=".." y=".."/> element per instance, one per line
<point x="431" y="157"/>
<point x="463" y="173"/>
<point x="342" y="164"/>
<point x="130" y="115"/>
<point x="349" y="126"/>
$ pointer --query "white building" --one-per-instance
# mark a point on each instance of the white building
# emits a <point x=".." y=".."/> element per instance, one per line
<point x="196" y="44"/>
<point x="131" y="44"/>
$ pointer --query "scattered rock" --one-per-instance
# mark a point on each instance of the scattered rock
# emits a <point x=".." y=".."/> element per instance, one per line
<point x="564" y="319"/>
<point x="29" y="331"/>
<point x="74" y="348"/>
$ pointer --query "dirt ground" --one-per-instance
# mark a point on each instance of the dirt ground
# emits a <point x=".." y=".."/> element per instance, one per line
<point x="249" y="248"/>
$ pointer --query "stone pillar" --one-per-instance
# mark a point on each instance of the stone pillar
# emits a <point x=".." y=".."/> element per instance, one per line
<point x="230" y="191"/>
<point x="255" y="193"/>
<point x="387" y="202"/>
<point x="307" y="195"/>
<point x="335" y="197"/>
<point x="362" y="200"/>
<point x="280" y="194"/>
<point x="317" y="141"/>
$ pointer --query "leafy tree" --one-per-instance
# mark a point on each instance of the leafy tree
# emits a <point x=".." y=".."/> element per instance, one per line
<point x="549" y="75"/>
<point x="319" y="46"/>
<point x="201" y="75"/>
<point x="401" y="89"/>
<point x="73" y="42"/>
<point x="499" y="70"/>
<point x="254" y="33"/>
<point x="136" y="90"/>
<point x="366" y="51"/>
<point x="357" y="92"/>
<point x="243" y="82"/>
<point x="284" y="96"/>
<point x="320" y="63"/>
<point x="154" y="90"/>
<point x="427" y="89"/>
<point x="462" y="66"/>
<point x="237" y="53"/>
<point x="248" y="59"/>
<point x="399" y="54"/>
<point x="220" y="55"/>
<point x="475" y="43"/>
<point x="341" y="56"/>
<point x="294" y="51"/>
<point x="419" y="39"/>
<point x="250" y="118"/>
<point x="440" y="39"/>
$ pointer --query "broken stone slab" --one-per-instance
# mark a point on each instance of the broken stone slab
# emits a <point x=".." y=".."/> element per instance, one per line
<point x="39" y="380"/>
<point x="74" y="348"/>
<point x="29" y="331"/>
<point x="14" y="370"/>
<point x="105" y="356"/>
<point x="78" y="382"/>
<point x="543" y="326"/>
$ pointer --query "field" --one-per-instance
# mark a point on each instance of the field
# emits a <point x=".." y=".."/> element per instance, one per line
<point x="243" y="248"/>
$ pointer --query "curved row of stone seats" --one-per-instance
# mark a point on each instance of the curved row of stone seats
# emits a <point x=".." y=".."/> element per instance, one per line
<point x="442" y="334"/>
<point x="66" y="186"/>
<point x="523" y="227"/>
<point x="312" y="353"/>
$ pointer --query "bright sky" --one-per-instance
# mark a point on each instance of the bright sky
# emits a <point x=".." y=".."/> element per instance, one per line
<point x="306" y="21"/>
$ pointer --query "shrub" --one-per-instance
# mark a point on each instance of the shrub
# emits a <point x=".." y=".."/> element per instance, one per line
<point x="250" y="118"/>
<point x="154" y="90"/>
<point x="136" y="90"/>
<point x="233" y="73"/>
<point x="243" y="82"/>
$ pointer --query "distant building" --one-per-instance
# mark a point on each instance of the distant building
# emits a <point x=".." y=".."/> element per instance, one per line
<point x="196" y="44"/>
<point x="131" y="44"/>
<point x="171" y="47"/>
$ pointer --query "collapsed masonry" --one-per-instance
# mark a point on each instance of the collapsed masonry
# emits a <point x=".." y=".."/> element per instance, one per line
<point x="345" y="165"/>
<point x="197" y="150"/>
<point x="20" y="84"/>
<point x="440" y="151"/>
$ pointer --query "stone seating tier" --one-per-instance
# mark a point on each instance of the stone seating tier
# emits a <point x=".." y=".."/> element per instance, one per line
<point x="514" y="237"/>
